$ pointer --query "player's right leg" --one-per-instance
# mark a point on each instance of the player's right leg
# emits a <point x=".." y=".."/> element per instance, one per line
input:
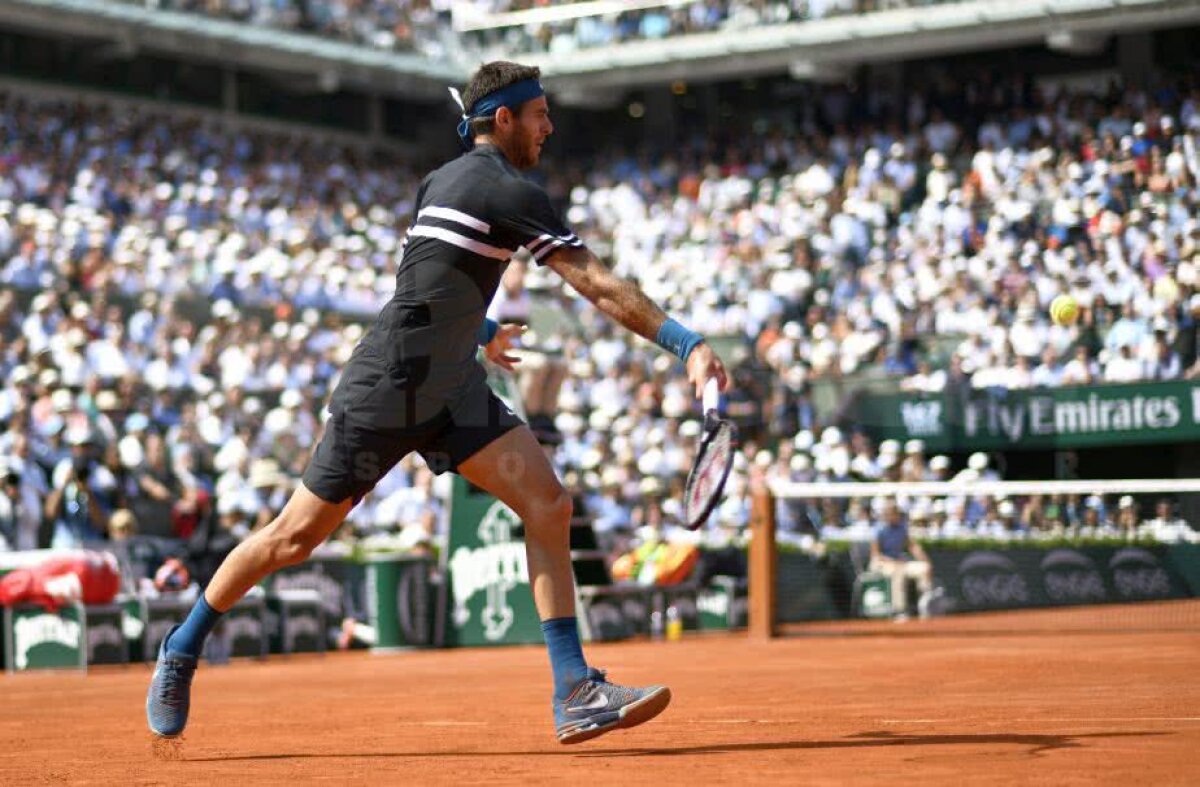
<point x="514" y="469"/>
<point x="305" y="522"/>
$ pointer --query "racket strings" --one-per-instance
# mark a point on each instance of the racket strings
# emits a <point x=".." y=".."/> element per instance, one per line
<point x="709" y="474"/>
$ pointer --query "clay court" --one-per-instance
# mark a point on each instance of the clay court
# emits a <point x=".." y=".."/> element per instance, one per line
<point x="1104" y="695"/>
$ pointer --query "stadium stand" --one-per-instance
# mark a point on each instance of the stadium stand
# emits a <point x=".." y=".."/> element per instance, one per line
<point x="518" y="26"/>
<point x="958" y="213"/>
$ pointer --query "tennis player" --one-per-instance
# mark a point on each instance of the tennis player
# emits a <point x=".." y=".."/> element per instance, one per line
<point x="413" y="384"/>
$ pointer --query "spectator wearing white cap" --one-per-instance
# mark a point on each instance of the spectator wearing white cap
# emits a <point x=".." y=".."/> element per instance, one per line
<point x="1100" y="515"/>
<point x="1127" y="517"/>
<point x="939" y="468"/>
<point x="1010" y="520"/>
<point x="977" y="469"/>
<point x="913" y="467"/>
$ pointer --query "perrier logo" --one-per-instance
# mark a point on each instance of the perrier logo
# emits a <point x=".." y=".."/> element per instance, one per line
<point x="43" y="629"/>
<point x="496" y="568"/>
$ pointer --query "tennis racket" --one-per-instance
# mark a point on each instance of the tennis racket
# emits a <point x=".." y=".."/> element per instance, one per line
<point x="714" y="460"/>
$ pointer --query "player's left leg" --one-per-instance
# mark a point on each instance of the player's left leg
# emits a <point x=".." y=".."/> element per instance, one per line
<point x="514" y="469"/>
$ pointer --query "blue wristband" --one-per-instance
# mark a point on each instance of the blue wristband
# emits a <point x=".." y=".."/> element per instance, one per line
<point x="487" y="331"/>
<point x="673" y="337"/>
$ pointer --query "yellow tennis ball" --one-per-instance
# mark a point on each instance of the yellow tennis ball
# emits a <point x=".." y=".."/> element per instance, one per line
<point x="1064" y="310"/>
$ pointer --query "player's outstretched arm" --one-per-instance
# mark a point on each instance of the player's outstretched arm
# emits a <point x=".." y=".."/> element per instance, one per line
<point x="624" y="302"/>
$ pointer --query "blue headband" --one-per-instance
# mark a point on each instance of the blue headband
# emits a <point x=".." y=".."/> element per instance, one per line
<point x="512" y="96"/>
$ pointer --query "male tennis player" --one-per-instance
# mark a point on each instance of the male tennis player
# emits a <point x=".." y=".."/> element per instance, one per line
<point x="413" y="384"/>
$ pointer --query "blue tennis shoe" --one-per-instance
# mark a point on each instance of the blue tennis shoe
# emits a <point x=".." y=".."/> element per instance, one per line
<point x="170" y="692"/>
<point x="597" y="706"/>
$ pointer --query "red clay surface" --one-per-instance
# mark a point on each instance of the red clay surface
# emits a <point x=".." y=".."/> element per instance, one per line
<point x="1064" y="697"/>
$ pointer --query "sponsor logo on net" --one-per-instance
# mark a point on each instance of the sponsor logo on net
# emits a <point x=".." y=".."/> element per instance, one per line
<point x="990" y="579"/>
<point x="44" y="629"/>
<point x="496" y="568"/>
<point x="1071" y="577"/>
<point x="1137" y="574"/>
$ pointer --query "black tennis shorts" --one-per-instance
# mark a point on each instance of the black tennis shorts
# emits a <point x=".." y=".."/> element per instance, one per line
<point x="356" y="451"/>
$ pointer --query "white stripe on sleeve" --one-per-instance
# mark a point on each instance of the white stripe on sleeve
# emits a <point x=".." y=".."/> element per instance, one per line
<point x="461" y="241"/>
<point x="450" y="214"/>
<point x="532" y="247"/>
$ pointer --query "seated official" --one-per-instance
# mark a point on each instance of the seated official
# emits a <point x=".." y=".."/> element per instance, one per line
<point x="896" y="555"/>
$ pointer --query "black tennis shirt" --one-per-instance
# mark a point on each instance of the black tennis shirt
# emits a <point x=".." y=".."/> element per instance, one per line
<point x="419" y="358"/>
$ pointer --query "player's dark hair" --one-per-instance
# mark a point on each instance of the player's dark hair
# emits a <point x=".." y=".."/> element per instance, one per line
<point x="489" y="78"/>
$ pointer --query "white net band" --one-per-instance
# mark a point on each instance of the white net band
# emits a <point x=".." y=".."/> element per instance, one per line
<point x="789" y="489"/>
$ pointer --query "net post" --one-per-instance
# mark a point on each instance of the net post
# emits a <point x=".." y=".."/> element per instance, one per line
<point x="762" y="559"/>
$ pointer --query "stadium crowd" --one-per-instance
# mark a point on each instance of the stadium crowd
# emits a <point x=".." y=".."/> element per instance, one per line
<point x="426" y="25"/>
<point x="655" y="22"/>
<point x="382" y="24"/>
<point x="824" y="252"/>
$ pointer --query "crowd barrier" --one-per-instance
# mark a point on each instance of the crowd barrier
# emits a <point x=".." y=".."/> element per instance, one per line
<point x="405" y="601"/>
<point x="300" y="609"/>
<point x="977" y="577"/>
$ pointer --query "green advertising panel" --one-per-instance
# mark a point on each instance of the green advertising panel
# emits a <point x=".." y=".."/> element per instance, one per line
<point x="1076" y="417"/>
<point x="490" y="601"/>
<point x="722" y="605"/>
<point x="133" y="625"/>
<point x="36" y="638"/>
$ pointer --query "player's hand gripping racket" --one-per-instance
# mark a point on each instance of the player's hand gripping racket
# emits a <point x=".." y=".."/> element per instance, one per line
<point x="714" y="460"/>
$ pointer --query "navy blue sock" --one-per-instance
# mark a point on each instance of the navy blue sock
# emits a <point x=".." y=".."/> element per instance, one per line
<point x="566" y="655"/>
<point x="189" y="637"/>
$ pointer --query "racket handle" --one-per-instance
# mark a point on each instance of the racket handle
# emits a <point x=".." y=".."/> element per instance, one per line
<point x="712" y="396"/>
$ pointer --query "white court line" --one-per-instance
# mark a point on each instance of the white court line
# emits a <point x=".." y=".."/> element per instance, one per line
<point x="1037" y="719"/>
<point x="785" y="722"/>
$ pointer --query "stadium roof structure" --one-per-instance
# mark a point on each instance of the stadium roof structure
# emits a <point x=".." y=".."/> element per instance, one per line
<point x="196" y="37"/>
<point x="807" y="49"/>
